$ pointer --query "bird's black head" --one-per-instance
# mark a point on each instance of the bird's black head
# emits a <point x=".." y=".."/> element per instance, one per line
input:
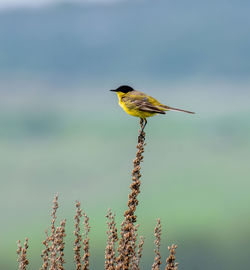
<point x="124" y="89"/>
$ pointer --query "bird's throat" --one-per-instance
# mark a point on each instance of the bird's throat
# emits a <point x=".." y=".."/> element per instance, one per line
<point x="120" y="96"/>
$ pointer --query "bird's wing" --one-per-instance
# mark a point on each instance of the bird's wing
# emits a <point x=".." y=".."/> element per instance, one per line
<point x="141" y="103"/>
<point x="146" y="107"/>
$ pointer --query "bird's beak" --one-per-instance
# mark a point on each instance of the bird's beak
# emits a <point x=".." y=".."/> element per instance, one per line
<point x="113" y="90"/>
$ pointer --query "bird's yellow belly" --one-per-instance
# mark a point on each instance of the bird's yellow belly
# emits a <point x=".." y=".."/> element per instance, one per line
<point x="135" y="112"/>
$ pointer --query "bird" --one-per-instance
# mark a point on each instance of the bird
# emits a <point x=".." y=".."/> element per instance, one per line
<point x="141" y="105"/>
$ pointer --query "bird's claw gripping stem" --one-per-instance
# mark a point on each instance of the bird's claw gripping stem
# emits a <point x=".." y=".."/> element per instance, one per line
<point x="143" y="123"/>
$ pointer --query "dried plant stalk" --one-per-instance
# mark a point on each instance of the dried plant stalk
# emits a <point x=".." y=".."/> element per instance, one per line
<point x="78" y="240"/>
<point x="157" y="260"/>
<point x="86" y="253"/>
<point x="52" y="238"/>
<point x="22" y="254"/>
<point x="136" y="259"/>
<point x="140" y="249"/>
<point x="128" y="258"/>
<point x="60" y="244"/>
<point x="53" y="253"/>
<point x="110" y="259"/>
<point x="127" y="243"/>
<point x="45" y="253"/>
<point x="171" y="264"/>
<point x="134" y="245"/>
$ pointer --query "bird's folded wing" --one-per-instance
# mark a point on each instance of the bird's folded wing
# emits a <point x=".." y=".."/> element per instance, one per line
<point x="142" y="104"/>
<point x="145" y="106"/>
<point x="150" y="108"/>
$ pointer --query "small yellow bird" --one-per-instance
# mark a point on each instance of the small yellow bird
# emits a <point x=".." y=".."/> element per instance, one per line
<point x="141" y="105"/>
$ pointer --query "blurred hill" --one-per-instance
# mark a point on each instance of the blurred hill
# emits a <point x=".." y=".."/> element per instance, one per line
<point x="131" y="39"/>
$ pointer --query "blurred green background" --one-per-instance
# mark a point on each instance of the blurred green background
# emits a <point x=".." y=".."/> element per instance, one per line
<point x="61" y="130"/>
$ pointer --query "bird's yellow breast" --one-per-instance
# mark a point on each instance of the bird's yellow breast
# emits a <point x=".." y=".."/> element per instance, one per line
<point x="132" y="110"/>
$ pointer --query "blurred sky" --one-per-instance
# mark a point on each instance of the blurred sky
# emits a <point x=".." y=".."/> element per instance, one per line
<point x="37" y="3"/>
<point x="61" y="130"/>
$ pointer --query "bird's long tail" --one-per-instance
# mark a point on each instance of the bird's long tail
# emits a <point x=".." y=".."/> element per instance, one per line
<point x="175" y="109"/>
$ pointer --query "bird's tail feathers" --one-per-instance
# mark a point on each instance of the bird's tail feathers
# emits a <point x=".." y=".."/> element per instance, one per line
<point x="176" y="109"/>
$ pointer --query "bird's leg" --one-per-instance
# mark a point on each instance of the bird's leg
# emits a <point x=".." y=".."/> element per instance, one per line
<point x="142" y="124"/>
<point x="145" y="123"/>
